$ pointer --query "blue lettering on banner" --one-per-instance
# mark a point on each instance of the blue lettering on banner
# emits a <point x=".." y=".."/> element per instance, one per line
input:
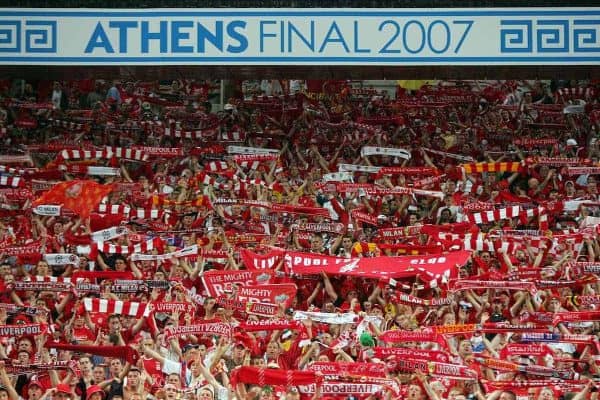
<point x="586" y="39"/>
<point x="555" y="38"/>
<point x="99" y="39"/>
<point x="10" y="36"/>
<point x="517" y="38"/>
<point x="310" y="36"/>
<point x="122" y="26"/>
<point x="334" y="35"/>
<point x="357" y="35"/>
<point x="264" y="35"/>
<point x="177" y="35"/>
<point x="214" y="37"/>
<point x="235" y="32"/>
<point x="40" y="36"/>
<point x="552" y="36"/>
<point x="161" y="36"/>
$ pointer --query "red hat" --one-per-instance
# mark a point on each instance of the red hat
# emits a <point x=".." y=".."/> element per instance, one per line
<point x="64" y="388"/>
<point x="554" y="295"/>
<point x="93" y="389"/>
<point x="35" y="382"/>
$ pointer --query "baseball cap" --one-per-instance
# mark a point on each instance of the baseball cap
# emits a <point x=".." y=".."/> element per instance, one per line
<point x="64" y="388"/>
<point x="189" y="346"/>
<point x="35" y="382"/>
<point x="93" y="389"/>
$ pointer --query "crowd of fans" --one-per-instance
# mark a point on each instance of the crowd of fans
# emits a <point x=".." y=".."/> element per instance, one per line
<point x="299" y="245"/>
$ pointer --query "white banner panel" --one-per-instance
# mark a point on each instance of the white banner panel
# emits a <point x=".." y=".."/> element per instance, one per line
<point x="527" y="36"/>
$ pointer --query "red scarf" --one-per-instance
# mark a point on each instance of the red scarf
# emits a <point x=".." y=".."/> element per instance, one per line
<point x="22" y="330"/>
<point x="169" y="307"/>
<point x="126" y="352"/>
<point x="346" y="368"/>
<point x="406" y="352"/>
<point x="267" y="325"/>
<point x="405" y="298"/>
<point x="536" y="350"/>
<point x="427" y="171"/>
<point x="558" y="161"/>
<point x="399" y="336"/>
<point x="93" y="275"/>
<point x="433" y="368"/>
<point x="503" y="285"/>
<point x="43" y="286"/>
<point x="210" y="328"/>
<point x="273" y="377"/>
<point x="573" y="316"/>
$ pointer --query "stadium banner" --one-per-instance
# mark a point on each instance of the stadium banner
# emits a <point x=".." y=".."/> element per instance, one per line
<point x="481" y="36"/>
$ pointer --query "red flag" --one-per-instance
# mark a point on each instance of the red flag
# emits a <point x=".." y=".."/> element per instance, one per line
<point x="427" y="267"/>
<point x="79" y="196"/>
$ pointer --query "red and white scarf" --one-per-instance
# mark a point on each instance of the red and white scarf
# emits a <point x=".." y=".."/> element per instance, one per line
<point x="12" y="181"/>
<point x="364" y="217"/>
<point x="536" y="350"/>
<point x="251" y="158"/>
<point x="530" y="142"/>
<point x="410" y="171"/>
<point x="90" y="170"/>
<point x="495" y="215"/>
<point x="405" y="298"/>
<point x="267" y="325"/>
<point x="406" y="352"/>
<point x="358" y="168"/>
<point x="558" y="161"/>
<point x="47" y="286"/>
<point x="48" y="210"/>
<point x="250" y="150"/>
<point x="328" y="369"/>
<point x="467" y="284"/>
<point x="105" y="306"/>
<point x="400" y="336"/>
<point x="209" y="328"/>
<point x="437" y="369"/>
<point x="145" y="247"/>
<point x="193" y="134"/>
<point x="113" y="209"/>
<point x="321" y="227"/>
<point x="61" y="259"/>
<point x="8" y="331"/>
<point x="108" y="234"/>
<point x="581" y="171"/>
<point x="162" y="152"/>
<point x="573" y="316"/>
<point x="326" y="318"/>
<point x="385" y="151"/>
<point x="170" y="306"/>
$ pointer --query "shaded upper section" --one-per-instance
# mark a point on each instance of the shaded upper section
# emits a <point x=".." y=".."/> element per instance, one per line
<point x="292" y="3"/>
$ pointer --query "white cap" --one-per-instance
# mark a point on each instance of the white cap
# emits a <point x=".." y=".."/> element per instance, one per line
<point x="571" y="142"/>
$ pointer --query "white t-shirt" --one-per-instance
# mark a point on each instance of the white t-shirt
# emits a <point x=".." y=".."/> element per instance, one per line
<point x="56" y="96"/>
